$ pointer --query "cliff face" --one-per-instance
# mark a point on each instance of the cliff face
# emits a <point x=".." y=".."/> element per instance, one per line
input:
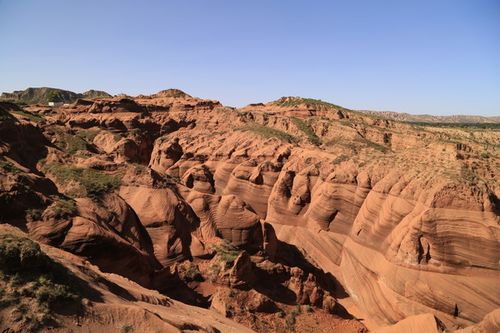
<point x="315" y="205"/>
<point x="402" y="242"/>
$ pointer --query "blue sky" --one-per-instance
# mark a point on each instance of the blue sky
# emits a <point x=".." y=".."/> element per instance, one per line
<point x="439" y="56"/>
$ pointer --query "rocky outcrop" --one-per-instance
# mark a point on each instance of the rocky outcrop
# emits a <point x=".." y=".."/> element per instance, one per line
<point x="418" y="323"/>
<point x="336" y="210"/>
<point x="107" y="232"/>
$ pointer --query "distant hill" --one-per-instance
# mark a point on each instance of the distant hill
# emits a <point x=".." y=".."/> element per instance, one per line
<point x="91" y="94"/>
<point x="455" y="120"/>
<point x="426" y="118"/>
<point x="45" y="95"/>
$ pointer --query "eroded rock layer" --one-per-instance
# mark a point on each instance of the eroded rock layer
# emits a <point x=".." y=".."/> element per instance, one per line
<point x="344" y="211"/>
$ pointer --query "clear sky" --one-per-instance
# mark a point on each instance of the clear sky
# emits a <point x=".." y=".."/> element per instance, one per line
<point x="422" y="56"/>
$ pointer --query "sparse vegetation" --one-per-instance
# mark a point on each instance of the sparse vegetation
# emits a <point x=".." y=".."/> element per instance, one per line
<point x="214" y="271"/>
<point x="225" y="255"/>
<point x="291" y="319"/>
<point x="8" y="166"/>
<point x="190" y="271"/>
<point x="294" y="101"/>
<point x="127" y="329"/>
<point x="341" y="158"/>
<point x="308" y="131"/>
<point x="269" y="132"/>
<point x="226" y="252"/>
<point x="485" y="155"/>
<point x="61" y="208"/>
<point x="5" y="115"/>
<point x="71" y="143"/>
<point x="34" y="214"/>
<point x="345" y="122"/>
<point x="28" y="115"/>
<point x="94" y="183"/>
<point x="374" y="145"/>
<point x="88" y="135"/>
<point x="31" y="282"/>
<point x="469" y="175"/>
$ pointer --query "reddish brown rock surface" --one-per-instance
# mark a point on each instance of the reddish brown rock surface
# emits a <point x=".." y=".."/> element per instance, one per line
<point x="291" y="215"/>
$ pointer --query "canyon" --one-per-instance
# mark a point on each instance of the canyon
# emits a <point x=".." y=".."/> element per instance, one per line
<point x="172" y="213"/>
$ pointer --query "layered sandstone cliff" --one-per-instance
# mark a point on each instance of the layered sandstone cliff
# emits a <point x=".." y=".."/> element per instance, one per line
<point x="350" y="214"/>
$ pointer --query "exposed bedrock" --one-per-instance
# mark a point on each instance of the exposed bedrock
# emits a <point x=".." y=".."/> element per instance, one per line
<point x="401" y="243"/>
<point x="107" y="232"/>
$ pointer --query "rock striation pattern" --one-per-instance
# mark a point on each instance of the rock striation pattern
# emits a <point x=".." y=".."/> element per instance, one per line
<point x="351" y="214"/>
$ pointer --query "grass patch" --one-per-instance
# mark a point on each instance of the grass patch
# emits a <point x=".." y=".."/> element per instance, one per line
<point x="469" y="175"/>
<point x="485" y="155"/>
<point x="71" y="143"/>
<point x="345" y="122"/>
<point x="28" y="115"/>
<point x="94" y="183"/>
<point x="31" y="282"/>
<point x="127" y="329"/>
<point x="374" y="145"/>
<point x="308" y="131"/>
<point x="226" y="251"/>
<point x="9" y="167"/>
<point x="291" y="319"/>
<point x="34" y="214"/>
<point x="339" y="159"/>
<point x="269" y="132"/>
<point x="295" y="101"/>
<point x="61" y="208"/>
<point x="88" y="135"/>
<point x="5" y="115"/>
<point x="190" y="271"/>
<point x="214" y="271"/>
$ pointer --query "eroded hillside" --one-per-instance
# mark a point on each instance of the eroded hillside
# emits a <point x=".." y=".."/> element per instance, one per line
<point x="295" y="215"/>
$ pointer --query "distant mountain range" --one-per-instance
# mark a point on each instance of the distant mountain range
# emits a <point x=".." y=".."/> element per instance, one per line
<point x="44" y="95"/>
<point x="427" y="118"/>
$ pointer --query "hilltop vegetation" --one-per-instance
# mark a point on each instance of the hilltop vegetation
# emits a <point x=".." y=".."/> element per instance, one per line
<point x="295" y="101"/>
<point x="45" y="95"/>
<point x="31" y="283"/>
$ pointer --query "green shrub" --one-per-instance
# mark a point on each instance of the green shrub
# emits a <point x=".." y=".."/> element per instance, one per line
<point x="127" y="329"/>
<point x="28" y="115"/>
<point x="268" y="132"/>
<point x="341" y="158"/>
<point x="373" y="145"/>
<point x="190" y="271"/>
<point x="295" y="101"/>
<point x="214" y="271"/>
<point x="18" y="254"/>
<point x="95" y="183"/>
<point x="226" y="252"/>
<point x="34" y="214"/>
<point x="88" y="135"/>
<point x="72" y="143"/>
<point x="5" y="115"/>
<point x="346" y="122"/>
<point x="485" y="155"/>
<point x="308" y="131"/>
<point x="291" y="319"/>
<point x="31" y="281"/>
<point x="8" y="166"/>
<point x="469" y="175"/>
<point x="61" y="208"/>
